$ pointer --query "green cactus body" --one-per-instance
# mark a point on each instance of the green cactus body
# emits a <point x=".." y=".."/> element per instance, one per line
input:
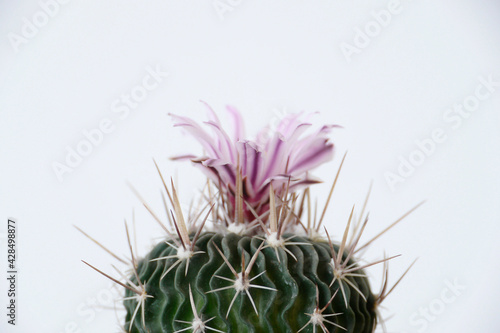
<point x="238" y="262"/>
<point x="284" y="291"/>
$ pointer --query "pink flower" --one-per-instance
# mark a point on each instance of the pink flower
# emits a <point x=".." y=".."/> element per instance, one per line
<point x="285" y="155"/>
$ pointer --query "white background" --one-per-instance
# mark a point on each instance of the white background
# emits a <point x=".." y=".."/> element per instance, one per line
<point x="266" y="58"/>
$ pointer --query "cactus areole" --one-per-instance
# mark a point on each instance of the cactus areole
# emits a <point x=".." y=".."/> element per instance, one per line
<point x="255" y="256"/>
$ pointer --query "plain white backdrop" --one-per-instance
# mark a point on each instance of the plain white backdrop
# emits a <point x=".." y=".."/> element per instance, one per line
<point x="393" y="74"/>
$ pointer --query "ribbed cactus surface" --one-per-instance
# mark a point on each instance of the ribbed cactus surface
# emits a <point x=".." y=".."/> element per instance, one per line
<point x="288" y="292"/>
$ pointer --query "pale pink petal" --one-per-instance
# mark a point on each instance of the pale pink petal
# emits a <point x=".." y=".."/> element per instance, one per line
<point x="239" y="127"/>
<point x="197" y="132"/>
<point x="312" y="157"/>
<point x="224" y="144"/>
<point x="212" y="116"/>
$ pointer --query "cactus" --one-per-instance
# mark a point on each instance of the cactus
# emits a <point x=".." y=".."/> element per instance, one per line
<point x="246" y="288"/>
<point x="265" y="263"/>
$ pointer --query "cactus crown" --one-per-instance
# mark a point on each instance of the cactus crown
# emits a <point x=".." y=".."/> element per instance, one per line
<point x="265" y="246"/>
